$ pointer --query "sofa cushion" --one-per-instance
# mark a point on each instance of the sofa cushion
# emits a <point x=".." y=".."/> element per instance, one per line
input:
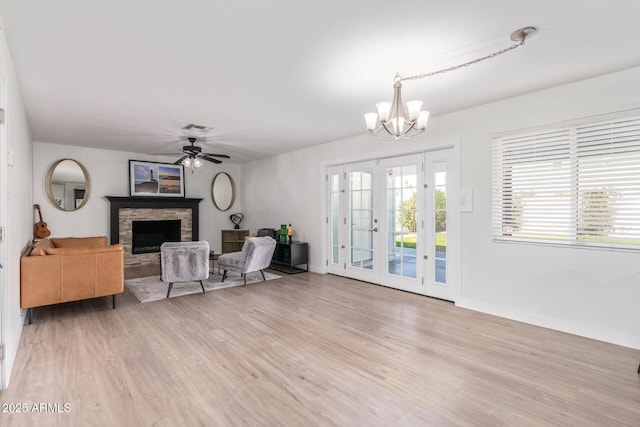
<point x="80" y="242"/>
<point x="82" y="251"/>
<point x="40" y="247"/>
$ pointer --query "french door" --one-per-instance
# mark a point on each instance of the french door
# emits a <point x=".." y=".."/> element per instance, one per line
<point x="388" y="221"/>
<point x="441" y="278"/>
<point x="401" y="187"/>
<point x="354" y="222"/>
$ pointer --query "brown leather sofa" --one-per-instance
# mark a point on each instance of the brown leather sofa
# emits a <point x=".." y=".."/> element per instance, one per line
<point x="70" y="269"/>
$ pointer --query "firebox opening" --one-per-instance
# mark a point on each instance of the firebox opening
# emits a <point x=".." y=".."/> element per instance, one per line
<point x="149" y="235"/>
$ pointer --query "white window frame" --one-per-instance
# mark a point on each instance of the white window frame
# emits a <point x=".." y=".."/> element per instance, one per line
<point x="573" y="184"/>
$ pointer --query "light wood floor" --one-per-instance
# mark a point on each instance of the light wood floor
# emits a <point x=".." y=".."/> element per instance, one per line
<point x="309" y="350"/>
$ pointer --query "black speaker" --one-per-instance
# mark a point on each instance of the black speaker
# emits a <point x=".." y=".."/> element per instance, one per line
<point x="267" y="232"/>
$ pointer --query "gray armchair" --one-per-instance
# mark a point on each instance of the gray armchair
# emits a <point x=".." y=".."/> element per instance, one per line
<point x="256" y="255"/>
<point x="184" y="262"/>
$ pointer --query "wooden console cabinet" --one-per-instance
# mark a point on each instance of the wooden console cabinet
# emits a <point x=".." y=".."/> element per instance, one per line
<point x="232" y="240"/>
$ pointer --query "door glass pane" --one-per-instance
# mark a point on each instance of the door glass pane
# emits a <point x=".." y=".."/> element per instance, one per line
<point x="366" y="199"/>
<point x="360" y="207"/>
<point x="408" y="266"/>
<point x="354" y="181"/>
<point x="367" y="260"/>
<point x="367" y="181"/>
<point x="335" y="200"/>
<point x="440" y="215"/>
<point x="401" y="220"/>
<point x="335" y="216"/>
<point x="335" y="183"/>
<point x="355" y="219"/>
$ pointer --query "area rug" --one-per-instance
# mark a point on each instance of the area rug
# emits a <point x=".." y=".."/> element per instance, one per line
<point x="151" y="288"/>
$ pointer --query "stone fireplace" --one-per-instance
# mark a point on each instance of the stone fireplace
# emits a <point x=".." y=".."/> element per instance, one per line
<point x="125" y="210"/>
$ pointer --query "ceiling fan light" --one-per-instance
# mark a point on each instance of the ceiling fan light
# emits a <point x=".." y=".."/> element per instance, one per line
<point x="197" y="163"/>
<point x="187" y="162"/>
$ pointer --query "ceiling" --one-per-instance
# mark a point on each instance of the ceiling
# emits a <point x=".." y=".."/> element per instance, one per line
<point x="271" y="77"/>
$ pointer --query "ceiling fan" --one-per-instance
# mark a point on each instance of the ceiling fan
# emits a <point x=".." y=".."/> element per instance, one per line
<point x="193" y="155"/>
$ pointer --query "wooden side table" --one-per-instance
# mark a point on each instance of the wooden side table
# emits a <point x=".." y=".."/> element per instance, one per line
<point x="232" y="240"/>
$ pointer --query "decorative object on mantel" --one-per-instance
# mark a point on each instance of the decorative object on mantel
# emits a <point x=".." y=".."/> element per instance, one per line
<point x="153" y="179"/>
<point x="236" y="219"/>
<point x="392" y="121"/>
<point x="290" y="233"/>
<point x="148" y="289"/>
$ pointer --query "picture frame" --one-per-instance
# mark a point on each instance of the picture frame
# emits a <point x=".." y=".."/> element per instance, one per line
<point x="155" y="179"/>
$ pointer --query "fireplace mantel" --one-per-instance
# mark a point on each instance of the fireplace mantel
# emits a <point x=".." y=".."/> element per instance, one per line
<point x="119" y="202"/>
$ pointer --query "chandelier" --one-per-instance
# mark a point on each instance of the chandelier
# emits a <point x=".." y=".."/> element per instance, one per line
<point x="393" y="121"/>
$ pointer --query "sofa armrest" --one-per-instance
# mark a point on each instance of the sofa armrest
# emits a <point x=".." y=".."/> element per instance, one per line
<point x="40" y="281"/>
<point x="110" y="270"/>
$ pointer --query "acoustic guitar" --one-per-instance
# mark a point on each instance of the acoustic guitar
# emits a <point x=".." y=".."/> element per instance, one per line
<point x="41" y="230"/>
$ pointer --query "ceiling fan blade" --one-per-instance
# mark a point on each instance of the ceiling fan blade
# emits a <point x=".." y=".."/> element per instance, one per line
<point x="224" y="156"/>
<point x="177" y="162"/>
<point x="211" y="159"/>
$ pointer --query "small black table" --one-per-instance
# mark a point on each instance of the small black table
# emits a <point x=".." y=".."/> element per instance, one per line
<point x="214" y="257"/>
<point x="290" y="255"/>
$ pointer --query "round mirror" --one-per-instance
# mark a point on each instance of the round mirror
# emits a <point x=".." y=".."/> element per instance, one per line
<point x="223" y="191"/>
<point x="68" y="185"/>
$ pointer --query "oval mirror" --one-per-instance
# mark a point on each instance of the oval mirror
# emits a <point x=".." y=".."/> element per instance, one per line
<point x="68" y="185"/>
<point x="223" y="191"/>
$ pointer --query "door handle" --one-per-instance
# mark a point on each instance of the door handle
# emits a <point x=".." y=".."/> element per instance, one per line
<point x="374" y="229"/>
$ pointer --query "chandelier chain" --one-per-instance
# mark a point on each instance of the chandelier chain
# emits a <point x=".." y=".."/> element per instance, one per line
<point x="466" y="64"/>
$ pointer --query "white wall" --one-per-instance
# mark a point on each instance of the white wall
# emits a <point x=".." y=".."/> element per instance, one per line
<point x="587" y="292"/>
<point x="109" y="171"/>
<point x="17" y="202"/>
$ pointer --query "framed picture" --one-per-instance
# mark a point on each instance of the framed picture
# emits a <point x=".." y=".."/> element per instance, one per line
<point x="155" y="179"/>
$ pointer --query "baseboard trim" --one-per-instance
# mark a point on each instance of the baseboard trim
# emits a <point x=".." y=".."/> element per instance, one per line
<point x="562" y="325"/>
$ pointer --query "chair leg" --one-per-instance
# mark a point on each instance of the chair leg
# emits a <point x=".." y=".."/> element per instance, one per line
<point x="169" y="290"/>
<point x="202" y="286"/>
<point x="113" y="301"/>
<point x="262" y="272"/>
<point x="224" y="275"/>
<point x="30" y="315"/>
<point x="244" y="276"/>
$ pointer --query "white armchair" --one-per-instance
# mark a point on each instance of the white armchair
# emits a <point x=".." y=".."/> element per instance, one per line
<point x="184" y="262"/>
<point x="256" y="255"/>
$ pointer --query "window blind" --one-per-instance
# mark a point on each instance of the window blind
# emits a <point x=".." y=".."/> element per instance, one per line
<point x="577" y="184"/>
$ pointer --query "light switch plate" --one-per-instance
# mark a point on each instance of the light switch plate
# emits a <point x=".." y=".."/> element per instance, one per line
<point x="466" y="200"/>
